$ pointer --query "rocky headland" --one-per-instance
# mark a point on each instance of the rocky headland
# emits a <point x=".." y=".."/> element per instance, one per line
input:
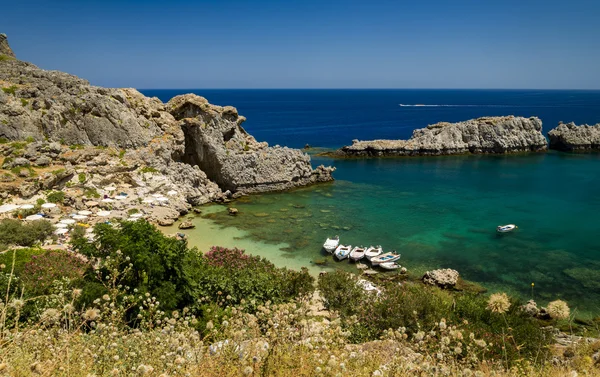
<point x="487" y="135"/>
<point x="572" y="138"/>
<point x="57" y="131"/>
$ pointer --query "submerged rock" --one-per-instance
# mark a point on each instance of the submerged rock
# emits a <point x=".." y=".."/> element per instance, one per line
<point x="186" y="225"/>
<point x="443" y="278"/>
<point x="232" y="211"/>
<point x="571" y="138"/>
<point x="507" y="134"/>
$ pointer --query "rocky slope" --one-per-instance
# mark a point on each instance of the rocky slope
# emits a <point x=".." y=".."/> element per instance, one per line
<point x="189" y="141"/>
<point x="570" y="137"/>
<point x="506" y="134"/>
<point x="4" y="47"/>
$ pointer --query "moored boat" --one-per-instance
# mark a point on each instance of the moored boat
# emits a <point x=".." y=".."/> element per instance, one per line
<point x="373" y="251"/>
<point x="357" y="253"/>
<point x="389" y="265"/>
<point x="506" y="228"/>
<point x="342" y="252"/>
<point x="387" y="257"/>
<point x="331" y="244"/>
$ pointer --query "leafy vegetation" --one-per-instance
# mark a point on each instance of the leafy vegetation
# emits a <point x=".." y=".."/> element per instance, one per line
<point x="15" y="232"/>
<point x="148" y="169"/>
<point x="10" y="90"/>
<point x="56" y="197"/>
<point x="91" y="193"/>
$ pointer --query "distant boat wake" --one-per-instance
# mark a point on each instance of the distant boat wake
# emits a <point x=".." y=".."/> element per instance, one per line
<point x="423" y="105"/>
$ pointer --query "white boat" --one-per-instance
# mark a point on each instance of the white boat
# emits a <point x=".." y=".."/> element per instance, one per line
<point x="358" y="253"/>
<point x="342" y="252"/>
<point x="331" y="244"/>
<point x="373" y="251"/>
<point x="506" y="228"/>
<point x="387" y="257"/>
<point x="389" y="265"/>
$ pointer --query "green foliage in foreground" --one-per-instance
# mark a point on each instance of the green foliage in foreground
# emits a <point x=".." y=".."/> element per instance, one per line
<point x="417" y="308"/>
<point x="16" y="232"/>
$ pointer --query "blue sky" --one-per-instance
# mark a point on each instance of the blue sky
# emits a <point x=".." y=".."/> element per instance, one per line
<point x="312" y="44"/>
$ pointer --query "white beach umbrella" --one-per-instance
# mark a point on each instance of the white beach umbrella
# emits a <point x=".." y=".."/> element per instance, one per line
<point x="8" y="208"/>
<point x="135" y="215"/>
<point x="172" y="193"/>
<point x="103" y="213"/>
<point x="162" y="199"/>
<point x="67" y="221"/>
<point x="89" y="230"/>
<point x="48" y="205"/>
<point x="148" y="201"/>
<point x="157" y="195"/>
<point x="27" y="206"/>
<point x="91" y="204"/>
<point x="110" y="188"/>
<point x="85" y="212"/>
<point x="34" y="217"/>
<point x="60" y="225"/>
<point x="120" y="197"/>
<point x="133" y="219"/>
<point x="61" y="231"/>
<point x="80" y="217"/>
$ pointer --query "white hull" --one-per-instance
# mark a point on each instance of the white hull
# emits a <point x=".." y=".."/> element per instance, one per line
<point x="385" y="258"/>
<point x="389" y="265"/>
<point x="506" y="228"/>
<point x="342" y="252"/>
<point x="372" y="252"/>
<point x="331" y="244"/>
<point x="357" y="253"/>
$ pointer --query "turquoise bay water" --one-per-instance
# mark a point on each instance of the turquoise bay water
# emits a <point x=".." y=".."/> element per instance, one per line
<point x="437" y="211"/>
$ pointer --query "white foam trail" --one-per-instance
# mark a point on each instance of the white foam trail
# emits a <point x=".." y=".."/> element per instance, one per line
<point x="423" y="105"/>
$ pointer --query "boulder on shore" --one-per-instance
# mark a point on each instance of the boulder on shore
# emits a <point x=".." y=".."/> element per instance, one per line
<point x="572" y="138"/>
<point x="494" y="135"/>
<point x="443" y="278"/>
<point x="186" y="225"/>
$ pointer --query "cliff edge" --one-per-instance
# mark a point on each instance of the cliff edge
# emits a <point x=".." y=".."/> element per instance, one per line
<point x="572" y="138"/>
<point x="507" y="134"/>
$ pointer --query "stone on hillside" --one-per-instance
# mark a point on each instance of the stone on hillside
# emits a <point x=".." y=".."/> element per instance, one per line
<point x="443" y="278"/>
<point x="4" y="47"/>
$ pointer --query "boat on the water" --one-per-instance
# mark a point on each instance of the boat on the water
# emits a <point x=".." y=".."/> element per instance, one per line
<point x="342" y="252"/>
<point x="373" y="251"/>
<point x="383" y="258"/>
<point x="506" y="228"/>
<point x="331" y="244"/>
<point x="357" y="253"/>
<point x="389" y="265"/>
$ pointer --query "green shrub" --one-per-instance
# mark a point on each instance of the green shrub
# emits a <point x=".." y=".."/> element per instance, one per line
<point x="341" y="292"/>
<point x="24" y="102"/>
<point x="42" y="270"/>
<point x="22" y="256"/>
<point x="56" y="197"/>
<point x="4" y="140"/>
<point x="82" y="177"/>
<point x="148" y="169"/>
<point x="10" y="90"/>
<point x="18" y="145"/>
<point x="76" y="147"/>
<point x="15" y="232"/>
<point x="91" y="193"/>
<point x="29" y="139"/>
<point x="58" y="171"/>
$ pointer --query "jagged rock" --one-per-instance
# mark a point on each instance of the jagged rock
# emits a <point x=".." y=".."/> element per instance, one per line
<point x="20" y="161"/>
<point x="166" y="222"/>
<point x="570" y="137"/>
<point x="531" y="308"/>
<point x="444" y="278"/>
<point x="43" y="161"/>
<point x="216" y="142"/>
<point x="186" y="225"/>
<point x="506" y="134"/>
<point x="232" y="211"/>
<point x="4" y="47"/>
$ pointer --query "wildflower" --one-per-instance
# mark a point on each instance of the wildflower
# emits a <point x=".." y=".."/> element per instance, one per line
<point x="106" y="297"/>
<point x="50" y="316"/>
<point x="248" y="371"/>
<point x="2" y="266"/>
<point x="457" y="350"/>
<point x="498" y="303"/>
<point x="318" y="370"/>
<point x="209" y="325"/>
<point x="442" y="324"/>
<point x="419" y="336"/>
<point x="116" y="357"/>
<point x="179" y="360"/>
<point x="114" y="372"/>
<point x="377" y="373"/>
<point x="481" y="343"/>
<point x="17" y="303"/>
<point x="3" y="366"/>
<point x="558" y="309"/>
<point x="68" y="308"/>
<point x="91" y="314"/>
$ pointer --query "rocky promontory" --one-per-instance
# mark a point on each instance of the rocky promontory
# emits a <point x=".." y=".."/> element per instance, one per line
<point x="54" y="121"/>
<point x="507" y="134"/>
<point x="572" y="138"/>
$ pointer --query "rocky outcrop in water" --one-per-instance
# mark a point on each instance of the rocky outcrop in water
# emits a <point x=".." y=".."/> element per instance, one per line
<point x="219" y="145"/>
<point x="507" y="134"/>
<point x="572" y="138"/>
<point x="4" y="47"/>
<point x="443" y="278"/>
<point x="188" y="142"/>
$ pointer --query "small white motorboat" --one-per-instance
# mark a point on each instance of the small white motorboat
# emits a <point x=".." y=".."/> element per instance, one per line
<point x="389" y="265"/>
<point x="383" y="258"/>
<point x="331" y="244"/>
<point x="358" y="253"/>
<point x="342" y="252"/>
<point x="506" y="228"/>
<point x="373" y="251"/>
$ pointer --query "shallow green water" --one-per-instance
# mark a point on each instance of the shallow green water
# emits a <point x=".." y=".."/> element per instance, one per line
<point x="442" y="212"/>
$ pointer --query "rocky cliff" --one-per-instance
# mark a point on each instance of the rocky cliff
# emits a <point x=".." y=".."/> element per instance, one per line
<point x="570" y="137"/>
<point x="5" y="48"/>
<point x="508" y="134"/>
<point x="188" y="140"/>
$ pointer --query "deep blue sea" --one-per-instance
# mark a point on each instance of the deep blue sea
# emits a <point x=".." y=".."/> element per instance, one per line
<point x="437" y="211"/>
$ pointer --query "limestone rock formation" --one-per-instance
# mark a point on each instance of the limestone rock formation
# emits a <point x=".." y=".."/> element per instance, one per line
<point x="507" y="134"/>
<point x="571" y="138"/>
<point x="217" y="143"/>
<point x="189" y="145"/>
<point x="444" y="278"/>
<point x="4" y="47"/>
